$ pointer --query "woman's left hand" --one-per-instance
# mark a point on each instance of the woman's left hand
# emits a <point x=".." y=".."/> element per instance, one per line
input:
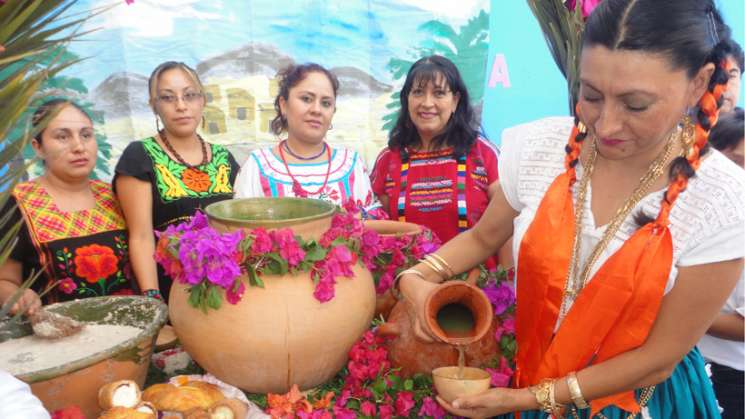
<point x="495" y="401"/>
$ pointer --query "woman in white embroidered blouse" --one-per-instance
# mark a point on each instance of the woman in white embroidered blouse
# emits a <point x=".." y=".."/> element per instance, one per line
<point x="612" y="255"/>
<point x="304" y="165"/>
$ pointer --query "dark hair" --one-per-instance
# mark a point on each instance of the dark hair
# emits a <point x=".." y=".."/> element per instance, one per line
<point x="154" y="80"/>
<point x="691" y="34"/>
<point x="729" y="130"/>
<point x="733" y="49"/>
<point x="49" y="108"/>
<point x="289" y="77"/>
<point x="459" y="132"/>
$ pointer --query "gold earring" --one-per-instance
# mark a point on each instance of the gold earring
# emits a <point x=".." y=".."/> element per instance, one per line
<point x="581" y="127"/>
<point x="331" y="126"/>
<point x="687" y="135"/>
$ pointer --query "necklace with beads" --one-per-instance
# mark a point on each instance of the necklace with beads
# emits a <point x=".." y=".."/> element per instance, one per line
<point x="286" y="146"/>
<point x="296" y="185"/>
<point x="178" y="157"/>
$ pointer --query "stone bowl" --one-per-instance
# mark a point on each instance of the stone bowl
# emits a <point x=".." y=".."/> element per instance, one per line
<point x="77" y="382"/>
<point x="450" y="387"/>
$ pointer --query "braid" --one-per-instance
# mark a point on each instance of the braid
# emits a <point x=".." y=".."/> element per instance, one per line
<point x="574" y="146"/>
<point x="684" y="167"/>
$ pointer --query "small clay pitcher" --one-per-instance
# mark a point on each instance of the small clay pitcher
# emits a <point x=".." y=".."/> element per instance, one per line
<point x="413" y="355"/>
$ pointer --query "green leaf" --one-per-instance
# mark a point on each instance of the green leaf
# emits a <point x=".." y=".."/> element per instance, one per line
<point x="195" y="296"/>
<point x="277" y="264"/>
<point x="214" y="299"/>
<point x="315" y="252"/>
<point x="409" y="384"/>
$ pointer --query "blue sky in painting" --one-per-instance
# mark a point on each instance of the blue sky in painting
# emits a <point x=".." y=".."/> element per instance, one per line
<point x="332" y="32"/>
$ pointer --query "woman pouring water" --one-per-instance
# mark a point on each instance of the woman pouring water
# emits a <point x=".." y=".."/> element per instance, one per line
<point x="628" y="236"/>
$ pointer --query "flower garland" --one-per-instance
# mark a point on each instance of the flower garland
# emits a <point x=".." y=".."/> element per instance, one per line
<point x="195" y="254"/>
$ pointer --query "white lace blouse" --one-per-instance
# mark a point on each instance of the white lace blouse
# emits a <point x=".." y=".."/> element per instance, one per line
<point x="707" y="222"/>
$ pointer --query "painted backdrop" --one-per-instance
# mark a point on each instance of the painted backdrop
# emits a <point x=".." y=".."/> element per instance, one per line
<point x="238" y="46"/>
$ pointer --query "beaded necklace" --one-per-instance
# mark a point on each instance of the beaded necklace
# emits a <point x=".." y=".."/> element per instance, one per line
<point x="296" y="183"/>
<point x="292" y="153"/>
<point x="460" y="188"/>
<point x="178" y="157"/>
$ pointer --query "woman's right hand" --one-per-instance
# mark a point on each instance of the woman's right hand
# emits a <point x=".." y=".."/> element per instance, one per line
<point x="29" y="303"/>
<point x="414" y="291"/>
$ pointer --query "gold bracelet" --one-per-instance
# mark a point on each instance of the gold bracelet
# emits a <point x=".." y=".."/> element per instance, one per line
<point x="541" y="391"/>
<point x="555" y="409"/>
<point x="395" y="291"/>
<point x="435" y="268"/>
<point x="575" y="391"/>
<point x="440" y="259"/>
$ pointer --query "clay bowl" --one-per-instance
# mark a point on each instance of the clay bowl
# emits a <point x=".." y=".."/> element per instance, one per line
<point x="77" y="382"/>
<point x="450" y="387"/>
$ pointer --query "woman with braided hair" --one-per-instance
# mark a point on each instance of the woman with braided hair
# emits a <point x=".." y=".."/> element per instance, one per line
<point x="620" y="269"/>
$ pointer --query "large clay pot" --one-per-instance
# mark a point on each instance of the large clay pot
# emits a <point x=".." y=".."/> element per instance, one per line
<point x="413" y="355"/>
<point x="77" y="383"/>
<point x="278" y="335"/>
<point x="387" y="228"/>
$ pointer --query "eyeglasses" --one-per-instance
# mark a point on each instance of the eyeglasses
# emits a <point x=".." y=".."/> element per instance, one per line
<point x="189" y="97"/>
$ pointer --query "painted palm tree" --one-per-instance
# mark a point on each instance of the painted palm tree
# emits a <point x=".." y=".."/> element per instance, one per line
<point x="31" y="33"/>
<point x="467" y="48"/>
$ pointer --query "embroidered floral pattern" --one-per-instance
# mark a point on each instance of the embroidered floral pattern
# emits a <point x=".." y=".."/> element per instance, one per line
<point x="95" y="262"/>
<point x="174" y="180"/>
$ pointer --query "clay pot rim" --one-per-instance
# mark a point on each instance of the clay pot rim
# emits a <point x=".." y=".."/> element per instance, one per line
<point x="211" y="209"/>
<point x="479" y="333"/>
<point x="438" y="372"/>
<point x="148" y="332"/>
<point x="407" y="229"/>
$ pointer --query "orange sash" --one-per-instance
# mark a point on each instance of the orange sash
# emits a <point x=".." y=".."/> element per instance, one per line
<point x="614" y="312"/>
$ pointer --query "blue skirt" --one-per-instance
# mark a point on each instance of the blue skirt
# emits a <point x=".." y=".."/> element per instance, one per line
<point x="687" y="394"/>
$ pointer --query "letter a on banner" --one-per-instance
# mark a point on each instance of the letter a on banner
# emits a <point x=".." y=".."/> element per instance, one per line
<point x="499" y="72"/>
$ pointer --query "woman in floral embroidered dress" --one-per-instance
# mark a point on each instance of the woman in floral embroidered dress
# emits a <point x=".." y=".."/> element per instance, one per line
<point x="303" y="164"/>
<point x="72" y="229"/>
<point x="620" y="269"/>
<point x="436" y="170"/>
<point x="164" y="179"/>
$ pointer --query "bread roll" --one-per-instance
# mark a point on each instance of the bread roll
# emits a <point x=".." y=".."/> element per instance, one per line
<point x="229" y="409"/>
<point x="119" y="412"/>
<point x="151" y="392"/>
<point x="212" y="391"/>
<point x="122" y="393"/>
<point x="197" y="413"/>
<point x="147" y="407"/>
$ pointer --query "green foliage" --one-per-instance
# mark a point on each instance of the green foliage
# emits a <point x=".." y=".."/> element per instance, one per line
<point x="466" y="48"/>
<point x="562" y="29"/>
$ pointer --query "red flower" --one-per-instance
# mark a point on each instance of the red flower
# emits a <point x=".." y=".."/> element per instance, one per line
<point x="68" y="286"/>
<point x="404" y="403"/>
<point x="95" y="262"/>
<point x="70" y="412"/>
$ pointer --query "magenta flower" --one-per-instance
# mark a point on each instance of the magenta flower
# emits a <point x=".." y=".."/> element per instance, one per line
<point x="404" y="403"/>
<point x="386" y="411"/>
<point x="506" y="326"/>
<point x="430" y="407"/>
<point x="129" y="2"/>
<point x="262" y="241"/>
<point x="367" y="408"/>
<point x="587" y="6"/>
<point x="288" y="246"/>
<point x="344" y="413"/>
<point x="68" y="286"/>
<point x="235" y="293"/>
<point x="501" y="296"/>
<point x="500" y="377"/>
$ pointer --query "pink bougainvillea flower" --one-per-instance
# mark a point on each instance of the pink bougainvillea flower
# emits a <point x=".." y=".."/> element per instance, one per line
<point x="129" y="2"/>
<point x="587" y="6"/>
<point x="506" y="326"/>
<point x="367" y="408"/>
<point x="431" y="408"/>
<point x="404" y="403"/>
<point x="501" y="296"/>
<point x="235" y="293"/>
<point x="262" y="241"/>
<point x="500" y="377"/>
